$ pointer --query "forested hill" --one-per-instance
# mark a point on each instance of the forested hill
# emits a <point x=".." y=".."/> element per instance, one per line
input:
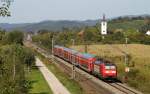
<point x="121" y="23"/>
<point x="48" y="25"/>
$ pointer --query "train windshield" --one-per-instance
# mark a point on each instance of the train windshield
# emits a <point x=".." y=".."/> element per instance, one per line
<point x="110" y="67"/>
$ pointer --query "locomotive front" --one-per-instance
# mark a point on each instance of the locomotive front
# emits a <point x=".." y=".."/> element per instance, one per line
<point x="105" y="69"/>
<point x="109" y="70"/>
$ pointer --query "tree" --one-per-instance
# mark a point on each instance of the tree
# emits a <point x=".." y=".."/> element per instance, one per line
<point x="13" y="59"/>
<point x="146" y="26"/>
<point x="13" y="37"/>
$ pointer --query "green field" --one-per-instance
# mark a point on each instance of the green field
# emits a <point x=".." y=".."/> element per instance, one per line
<point x="139" y="62"/>
<point x="38" y="83"/>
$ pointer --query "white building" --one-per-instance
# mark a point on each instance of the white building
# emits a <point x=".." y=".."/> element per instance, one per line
<point x="148" y="32"/>
<point x="29" y="37"/>
<point x="104" y="26"/>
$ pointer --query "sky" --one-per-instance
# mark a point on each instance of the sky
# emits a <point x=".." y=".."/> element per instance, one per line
<point x="28" y="11"/>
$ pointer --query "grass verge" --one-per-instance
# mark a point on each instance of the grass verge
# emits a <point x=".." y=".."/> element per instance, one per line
<point x="38" y="83"/>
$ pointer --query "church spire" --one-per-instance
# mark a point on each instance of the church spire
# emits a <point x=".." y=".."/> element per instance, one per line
<point x="104" y="19"/>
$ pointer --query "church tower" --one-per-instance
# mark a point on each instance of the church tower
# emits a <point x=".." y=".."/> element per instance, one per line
<point x="104" y="26"/>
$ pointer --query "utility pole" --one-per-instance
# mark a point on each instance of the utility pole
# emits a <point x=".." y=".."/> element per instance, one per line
<point x="14" y="66"/>
<point x="52" y="49"/>
<point x="126" y="41"/>
<point x="86" y="48"/>
<point x="73" y="63"/>
<point x="126" y="60"/>
<point x="73" y="42"/>
<point x="85" y="45"/>
<point x="14" y="71"/>
<point x="73" y="68"/>
<point x="126" y="54"/>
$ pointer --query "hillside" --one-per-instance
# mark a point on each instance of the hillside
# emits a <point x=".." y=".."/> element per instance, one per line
<point x="48" y="25"/>
<point x="8" y="26"/>
<point x="58" y="25"/>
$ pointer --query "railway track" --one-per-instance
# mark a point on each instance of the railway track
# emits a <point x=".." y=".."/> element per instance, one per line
<point x="123" y="88"/>
<point x="115" y="88"/>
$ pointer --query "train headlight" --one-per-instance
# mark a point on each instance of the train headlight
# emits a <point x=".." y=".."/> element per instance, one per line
<point x="113" y="71"/>
<point x="107" y="72"/>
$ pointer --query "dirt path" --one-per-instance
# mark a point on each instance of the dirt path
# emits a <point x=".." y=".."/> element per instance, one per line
<point x="52" y="81"/>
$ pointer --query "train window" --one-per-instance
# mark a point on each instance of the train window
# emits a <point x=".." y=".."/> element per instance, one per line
<point x="112" y="67"/>
<point x="109" y="67"/>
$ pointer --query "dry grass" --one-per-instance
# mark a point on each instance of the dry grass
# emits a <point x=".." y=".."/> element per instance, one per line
<point x="137" y="50"/>
<point x="139" y="61"/>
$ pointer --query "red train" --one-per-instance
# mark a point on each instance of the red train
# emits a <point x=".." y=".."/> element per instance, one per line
<point x="88" y="62"/>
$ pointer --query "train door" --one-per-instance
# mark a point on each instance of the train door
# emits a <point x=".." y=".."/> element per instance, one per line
<point x="66" y="55"/>
<point x="62" y="53"/>
<point x="77" y="60"/>
<point x="72" y="57"/>
<point x="91" y="66"/>
<point x="70" y="54"/>
<point x="102" y="70"/>
<point x="59" y="52"/>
